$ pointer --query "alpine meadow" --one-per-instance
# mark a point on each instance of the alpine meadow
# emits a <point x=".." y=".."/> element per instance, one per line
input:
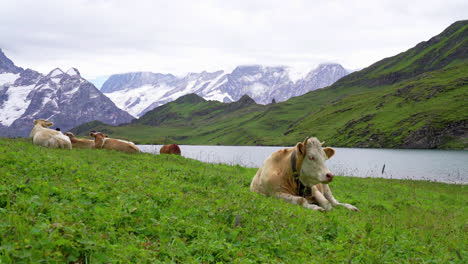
<point x="99" y="206"/>
<point x="83" y="178"/>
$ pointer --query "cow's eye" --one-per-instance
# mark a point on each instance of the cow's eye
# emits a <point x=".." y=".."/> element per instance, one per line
<point x="312" y="158"/>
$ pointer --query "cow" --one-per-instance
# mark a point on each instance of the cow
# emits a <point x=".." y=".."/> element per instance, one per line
<point x="102" y="141"/>
<point x="80" y="142"/>
<point x="170" y="149"/>
<point x="298" y="175"/>
<point x="43" y="136"/>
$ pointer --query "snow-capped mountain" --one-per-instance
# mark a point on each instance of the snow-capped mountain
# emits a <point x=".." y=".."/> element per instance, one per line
<point x="140" y="92"/>
<point x="65" y="98"/>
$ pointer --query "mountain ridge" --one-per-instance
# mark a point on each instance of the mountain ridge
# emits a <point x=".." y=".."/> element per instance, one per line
<point x="65" y="98"/>
<point x="392" y="104"/>
<point x="140" y="92"/>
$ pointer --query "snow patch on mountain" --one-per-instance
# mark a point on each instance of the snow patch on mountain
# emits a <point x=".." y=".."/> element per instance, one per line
<point x="16" y="104"/>
<point x="136" y="100"/>
<point x="8" y="78"/>
<point x="138" y="93"/>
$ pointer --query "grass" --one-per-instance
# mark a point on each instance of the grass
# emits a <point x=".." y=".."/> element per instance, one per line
<point x="99" y="206"/>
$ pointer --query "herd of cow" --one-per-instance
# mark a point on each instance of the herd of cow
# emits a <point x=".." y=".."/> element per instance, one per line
<point x="42" y="135"/>
<point x="297" y="175"/>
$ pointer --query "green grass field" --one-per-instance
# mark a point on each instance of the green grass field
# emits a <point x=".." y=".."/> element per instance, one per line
<point x="99" y="206"/>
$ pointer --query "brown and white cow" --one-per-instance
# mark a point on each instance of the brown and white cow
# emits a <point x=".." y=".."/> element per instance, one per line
<point x="42" y="135"/>
<point x="170" y="149"/>
<point x="80" y="142"/>
<point x="299" y="175"/>
<point x="101" y="141"/>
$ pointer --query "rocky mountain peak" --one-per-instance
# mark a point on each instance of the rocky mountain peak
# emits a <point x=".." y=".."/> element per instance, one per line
<point x="73" y="71"/>
<point x="7" y="66"/>
<point x="137" y="95"/>
<point x="67" y="99"/>
<point x="246" y="100"/>
<point x="55" y="73"/>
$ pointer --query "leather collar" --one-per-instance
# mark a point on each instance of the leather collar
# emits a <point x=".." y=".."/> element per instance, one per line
<point x="302" y="190"/>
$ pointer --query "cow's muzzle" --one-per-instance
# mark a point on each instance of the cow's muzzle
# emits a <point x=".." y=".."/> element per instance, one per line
<point x="329" y="177"/>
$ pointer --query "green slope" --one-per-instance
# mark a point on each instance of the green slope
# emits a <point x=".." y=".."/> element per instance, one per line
<point x="100" y="206"/>
<point x="416" y="99"/>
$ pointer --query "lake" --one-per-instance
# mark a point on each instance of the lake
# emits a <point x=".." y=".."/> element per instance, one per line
<point x="450" y="166"/>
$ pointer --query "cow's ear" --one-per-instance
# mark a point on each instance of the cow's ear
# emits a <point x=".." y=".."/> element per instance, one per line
<point x="35" y="122"/>
<point x="301" y="148"/>
<point x="329" y="152"/>
<point x="105" y="135"/>
<point x="92" y="134"/>
<point x="49" y="124"/>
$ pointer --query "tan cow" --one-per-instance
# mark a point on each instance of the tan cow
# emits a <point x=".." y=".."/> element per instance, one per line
<point x="101" y="141"/>
<point x="299" y="175"/>
<point x="80" y="142"/>
<point x="43" y="136"/>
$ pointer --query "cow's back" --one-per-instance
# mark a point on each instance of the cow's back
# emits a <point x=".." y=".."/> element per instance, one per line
<point x="170" y="149"/>
<point x="119" y="145"/>
<point x="51" y="139"/>
<point x="83" y="143"/>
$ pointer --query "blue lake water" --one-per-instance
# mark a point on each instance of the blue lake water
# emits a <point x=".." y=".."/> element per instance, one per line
<point x="449" y="166"/>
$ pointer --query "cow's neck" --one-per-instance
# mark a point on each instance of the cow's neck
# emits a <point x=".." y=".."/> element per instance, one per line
<point x="301" y="188"/>
<point x="35" y="129"/>
<point x="98" y="142"/>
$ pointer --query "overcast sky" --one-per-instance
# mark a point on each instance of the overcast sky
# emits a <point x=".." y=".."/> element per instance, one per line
<point x="103" y="37"/>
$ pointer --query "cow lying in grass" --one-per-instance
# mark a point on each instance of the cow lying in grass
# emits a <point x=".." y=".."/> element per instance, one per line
<point x="170" y="149"/>
<point x="43" y="136"/>
<point x="299" y="175"/>
<point x="101" y="141"/>
<point x="80" y="142"/>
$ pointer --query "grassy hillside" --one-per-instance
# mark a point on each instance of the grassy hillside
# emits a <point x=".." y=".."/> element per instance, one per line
<point x="447" y="49"/>
<point x="416" y="99"/>
<point x="99" y="206"/>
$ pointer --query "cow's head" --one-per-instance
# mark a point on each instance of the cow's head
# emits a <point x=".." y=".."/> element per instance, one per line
<point x="314" y="170"/>
<point x="97" y="135"/>
<point x="43" y="123"/>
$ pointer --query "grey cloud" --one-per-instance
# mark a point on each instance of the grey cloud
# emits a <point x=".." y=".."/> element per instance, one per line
<point x="104" y="37"/>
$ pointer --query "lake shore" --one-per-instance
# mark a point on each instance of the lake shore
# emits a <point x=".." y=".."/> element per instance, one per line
<point x="105" y="206"/>
<point x="430" y="165"/>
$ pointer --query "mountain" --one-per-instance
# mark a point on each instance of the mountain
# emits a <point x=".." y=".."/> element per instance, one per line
<point x="188" y="112"/>
<point x="7" y="66"/>
<point x="119" y="82"/>
<point x="415" y="99"/>
<point x="65" y="98"/>
<point x="140" y="92"/>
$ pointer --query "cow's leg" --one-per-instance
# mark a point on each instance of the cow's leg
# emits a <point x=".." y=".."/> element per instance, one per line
<point x="321" y="200"/>
<point x="329" y="196"/>
<point x="292" y="199"/>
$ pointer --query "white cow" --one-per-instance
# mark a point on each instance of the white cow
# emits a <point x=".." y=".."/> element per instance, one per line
<point x="299" y="175"/>
<point x="43" y="136"/>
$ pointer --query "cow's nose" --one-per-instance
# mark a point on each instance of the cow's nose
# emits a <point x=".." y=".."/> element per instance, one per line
<point x="329" y="176"/>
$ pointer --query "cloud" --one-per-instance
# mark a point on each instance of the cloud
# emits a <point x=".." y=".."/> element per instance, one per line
<point x="103" y="37"/>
